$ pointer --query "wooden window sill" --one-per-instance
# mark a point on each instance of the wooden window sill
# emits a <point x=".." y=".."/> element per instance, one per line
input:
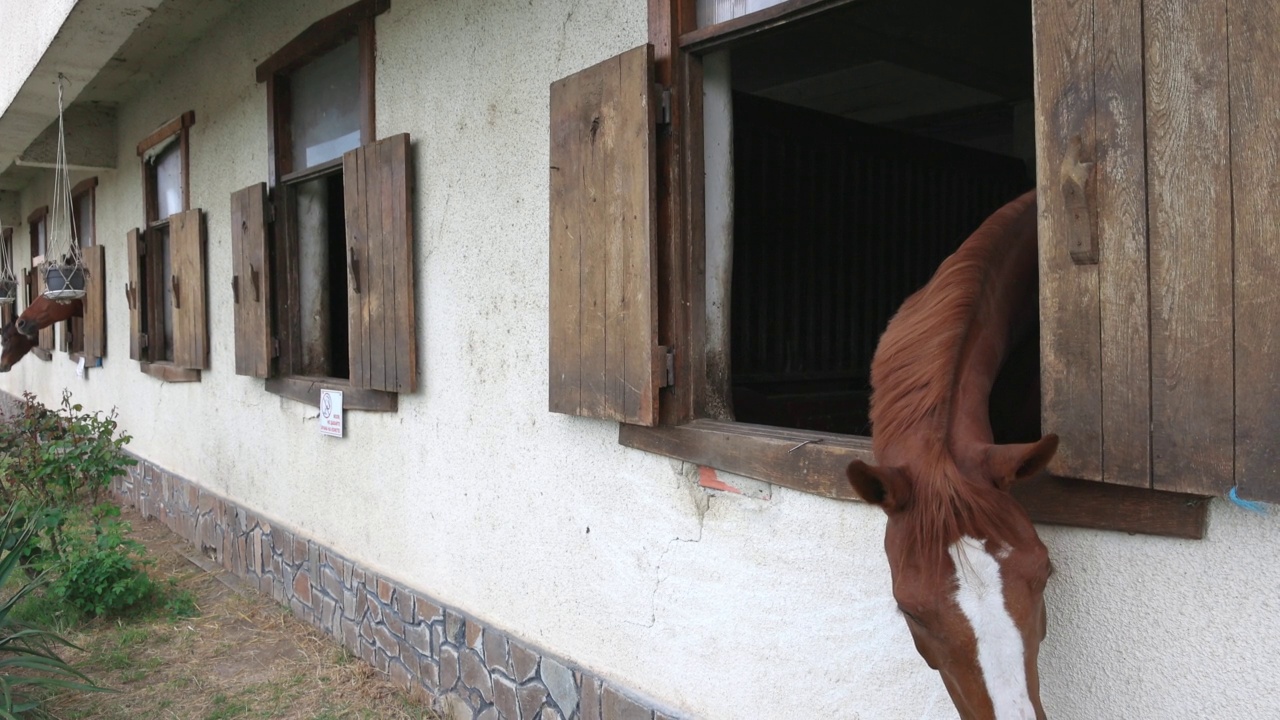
<point x="815" y="462"/>
<point x="306" y="390"/>
<point x="169" y="372"/>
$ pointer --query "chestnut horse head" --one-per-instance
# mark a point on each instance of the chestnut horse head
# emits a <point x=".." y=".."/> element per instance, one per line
<point x="968" y="569"/>
<point x="19" y="335"/>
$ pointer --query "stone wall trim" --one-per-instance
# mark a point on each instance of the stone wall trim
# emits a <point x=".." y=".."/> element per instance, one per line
<point x="435" y="652"/>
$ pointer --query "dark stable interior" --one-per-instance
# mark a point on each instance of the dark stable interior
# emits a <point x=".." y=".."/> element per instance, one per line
<point x="869" y="142"/>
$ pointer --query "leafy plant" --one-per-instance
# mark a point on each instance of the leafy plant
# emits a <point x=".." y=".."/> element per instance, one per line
<point x="57" y="465"/>
<point x="103" y="576"/>
<point x="28" y="663"/>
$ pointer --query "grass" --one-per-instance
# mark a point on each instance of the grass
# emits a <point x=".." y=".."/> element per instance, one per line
<point x="209" y="652"/>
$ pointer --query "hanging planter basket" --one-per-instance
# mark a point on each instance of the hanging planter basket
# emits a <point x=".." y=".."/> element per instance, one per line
<point x="64" y="282"/>
<point x="64" y="271"/>
<point x="8" y="291"/>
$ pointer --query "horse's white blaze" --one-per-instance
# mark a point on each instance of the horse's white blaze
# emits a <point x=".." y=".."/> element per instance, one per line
<point x="980" y="595"/>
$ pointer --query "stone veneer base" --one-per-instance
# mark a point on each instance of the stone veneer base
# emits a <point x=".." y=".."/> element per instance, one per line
<point x="435" y="652"/>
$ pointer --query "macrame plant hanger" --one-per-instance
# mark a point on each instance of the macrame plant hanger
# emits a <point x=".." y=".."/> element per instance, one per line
<point x="64" y="271"/>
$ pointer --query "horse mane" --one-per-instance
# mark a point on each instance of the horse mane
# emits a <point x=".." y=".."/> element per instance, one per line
<point x="915" y="376"/>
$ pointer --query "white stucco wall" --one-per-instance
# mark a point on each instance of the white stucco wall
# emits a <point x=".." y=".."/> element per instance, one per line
<point x="27" y="29"/>
<point x="715" y="605"/>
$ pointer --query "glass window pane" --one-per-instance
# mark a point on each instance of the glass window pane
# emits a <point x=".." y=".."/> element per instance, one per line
<point x="84" y="218"/>
<point x="711" y="12"/>
<point x="41" y="240"/>
<point x="326" y="106"/>
<point x="168" y="166"/>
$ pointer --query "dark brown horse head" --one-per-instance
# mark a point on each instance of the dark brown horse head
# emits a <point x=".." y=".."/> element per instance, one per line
<point x="14" y="345"/>
<point x="969" y="572"/>
<point x="18" y="336"/>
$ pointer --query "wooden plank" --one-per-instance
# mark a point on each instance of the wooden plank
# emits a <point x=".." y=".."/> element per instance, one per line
<point x="754" y="23"/>
<point x="168" y="372"/>
<point x="1071" y="382"/>
<point x="45" y="338"/>
<point x="251" y="281"/>
<point x="603" y="241"/>
<point x="136" y="296"/>
<point x="354" y="190"/>
<point x="307" y="390"/>
<point x="1255" y="175"/>
<point x="810" y="461"/>
<point x="371" y="290"/>
<point x="815" y="462"/>
<point x="1189" y="204"/>
<point x="1080" y="503"/>
<point x="94" y="345"/>
<point x="190" y="326"/>
<point x="1121" y="199"/>
<point x="404" y="340"/>
<point x="167" y="130"/>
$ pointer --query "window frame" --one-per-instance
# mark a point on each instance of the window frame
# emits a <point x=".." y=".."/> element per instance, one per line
<point x="808" y="461"/>
<point x="356" y="21"/>
<point x="8" y="311"/>
<point x="153" y="317"/>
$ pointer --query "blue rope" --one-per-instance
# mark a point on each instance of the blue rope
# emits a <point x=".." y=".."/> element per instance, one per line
<point x="1249" y="505"/>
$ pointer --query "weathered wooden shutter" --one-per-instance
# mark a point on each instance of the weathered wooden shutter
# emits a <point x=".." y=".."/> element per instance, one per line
<point x="250" y="288"/>
<point x="45" y="337"/>
<point x="1158" y="260"/>
<point x="603" y="299"/>
<point x="377" y="186"/>
<point x="135" y="293"/>
<point x="190" y="316"/>
<point x="94" y="325"/>
<point x="1095" y="382"/>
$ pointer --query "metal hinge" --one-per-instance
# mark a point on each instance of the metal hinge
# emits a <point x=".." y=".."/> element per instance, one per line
<point x="664" y="106"/>
<point x="275" y="347"/>
<point x="667" y="357"/>
<point x="142" y="339"/>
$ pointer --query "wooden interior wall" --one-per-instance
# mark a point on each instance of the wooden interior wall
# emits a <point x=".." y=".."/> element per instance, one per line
<point x="835" y="224"/>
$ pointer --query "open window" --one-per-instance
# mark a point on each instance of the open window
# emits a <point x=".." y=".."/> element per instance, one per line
<point x="166" y="289"/>
<point x="323" y="253"/>
<point x="809" y="165"/>
<point x="86" y="336"/>
<point x="8" y="311"/>
<point x="38" y="223"/>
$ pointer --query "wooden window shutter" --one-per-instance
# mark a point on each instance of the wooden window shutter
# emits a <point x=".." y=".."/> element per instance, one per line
<point x="1095" y="374"/>
<point x="377" y="187"/>
<point x="250" y="288"/>
<point x="135" y="293"/>
<point x="190" y="316"/>
<point x="45" y="337"/>
<point x="603" y="299"/>
<point x="95" y="305"/>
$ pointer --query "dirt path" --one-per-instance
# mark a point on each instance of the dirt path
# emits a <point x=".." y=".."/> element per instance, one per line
<point x="243" y="656"/>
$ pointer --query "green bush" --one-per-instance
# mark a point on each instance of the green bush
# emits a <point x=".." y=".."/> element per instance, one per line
<point x="103" y="576"/>
<point x="29" y="665"/>
<point x="57" y="464"/>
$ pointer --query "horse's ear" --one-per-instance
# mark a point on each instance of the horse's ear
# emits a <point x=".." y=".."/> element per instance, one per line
<point x="1007" y="464"/>
<point x="25" y="326"/>
<point x="886" y="487"/>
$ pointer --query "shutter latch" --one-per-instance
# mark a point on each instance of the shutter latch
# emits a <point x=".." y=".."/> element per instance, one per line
<point x="667" y="367"/>
<point x="664" y="106"/>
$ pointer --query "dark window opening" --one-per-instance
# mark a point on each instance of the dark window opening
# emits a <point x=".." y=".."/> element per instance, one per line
<point x="320" y="222"/>
<point x="866" y="144"/>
